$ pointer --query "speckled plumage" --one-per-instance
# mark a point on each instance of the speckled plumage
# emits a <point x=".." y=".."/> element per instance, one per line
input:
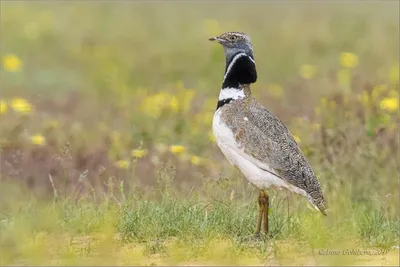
<point x="263" y="136"/>
<point x="250" y="136"/>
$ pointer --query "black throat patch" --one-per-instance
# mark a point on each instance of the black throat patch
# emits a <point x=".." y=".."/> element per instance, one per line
<point x="243" y="71"/>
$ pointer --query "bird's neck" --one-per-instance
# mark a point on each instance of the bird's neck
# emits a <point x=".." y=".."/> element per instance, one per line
<point x="240" y="72"/>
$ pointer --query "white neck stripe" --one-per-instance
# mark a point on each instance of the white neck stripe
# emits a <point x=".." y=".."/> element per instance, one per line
<point x="233" y="62"/>
<point x="233" y="93"/>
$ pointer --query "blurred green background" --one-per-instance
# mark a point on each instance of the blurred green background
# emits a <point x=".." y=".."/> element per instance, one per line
<point x="107" y="100"/>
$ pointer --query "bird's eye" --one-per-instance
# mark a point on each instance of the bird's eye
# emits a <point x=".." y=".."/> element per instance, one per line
<point x="232" y="37"/>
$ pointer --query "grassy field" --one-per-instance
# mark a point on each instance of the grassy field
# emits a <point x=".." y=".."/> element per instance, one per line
<point x="107" y="154"/>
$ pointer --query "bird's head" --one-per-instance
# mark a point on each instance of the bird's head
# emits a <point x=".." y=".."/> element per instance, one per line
<point x="234" y="42"/>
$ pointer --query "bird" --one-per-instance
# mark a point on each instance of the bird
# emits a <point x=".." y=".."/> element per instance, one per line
<point x="253" y="139"/>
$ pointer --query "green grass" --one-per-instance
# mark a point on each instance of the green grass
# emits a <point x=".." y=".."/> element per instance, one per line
<point x="176" y="229"/>
<point x="108" y="78"/>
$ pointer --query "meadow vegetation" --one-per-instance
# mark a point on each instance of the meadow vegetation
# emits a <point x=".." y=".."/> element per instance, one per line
<point x="107" y="154"/>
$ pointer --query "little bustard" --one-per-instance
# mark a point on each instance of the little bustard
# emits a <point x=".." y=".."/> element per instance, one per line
<point x="255" y="140"/>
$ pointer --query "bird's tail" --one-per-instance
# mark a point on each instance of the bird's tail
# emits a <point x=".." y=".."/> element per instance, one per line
<point x="319" y="205"/>
<point x="323" y="211"/>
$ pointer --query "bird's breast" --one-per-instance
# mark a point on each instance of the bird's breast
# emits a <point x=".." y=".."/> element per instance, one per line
<point x="260" y="174"/>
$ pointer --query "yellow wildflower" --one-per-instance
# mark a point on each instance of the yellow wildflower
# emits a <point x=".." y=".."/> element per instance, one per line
<point x="394" y="74"/>
<point x="37" y="139"/>
<point x="3" y="107"/>
<point x="390" y="104"/>
<point x="195" y="160"/>
<point x="12" y="63"/>
<point x="275" y="90"/>
<point x="122" y="164"/>
<point x="307" y="71"/>
<point x="177" y="149"/>
<point x="343" y="77"/>
<point x="21" y="105"/>
<point x="296" y="138"/>
<point x="348" y="60"/>
<point x="153" y="105"/>
<point x="139" y="153"/>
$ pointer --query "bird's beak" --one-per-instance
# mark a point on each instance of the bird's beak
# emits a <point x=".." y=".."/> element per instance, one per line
<point x="217" y="39"/>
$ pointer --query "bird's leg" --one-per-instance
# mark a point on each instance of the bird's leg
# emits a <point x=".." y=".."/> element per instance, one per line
<point x="266" y="209"/>
<point x="260" y="211"/>
<point x="263" y="204"/>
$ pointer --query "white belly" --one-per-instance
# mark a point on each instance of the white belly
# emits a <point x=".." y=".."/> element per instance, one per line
<point x="249" y="166"/>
